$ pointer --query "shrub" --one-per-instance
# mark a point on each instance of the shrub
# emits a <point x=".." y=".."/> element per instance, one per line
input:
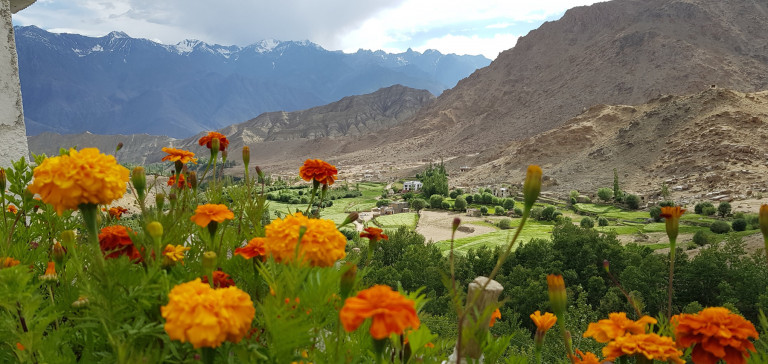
<point x="453" y="194"/>
<point x="418" y="204"/>
<point x="699" y="208"/>
<point x="667" y="203"/>
<point x="483" y="210"/>
<point x="655" y="213"/>
<point x="518" y="211"/>
<point x="469" y="198"/>
<point x="754" y="221"/>
<point x="436" y="201"/>
<point x="601" y="221"/>
<point x="739" y="224"/>
<point x="536" y="213"/>
<point x="587" y="223"/>
<point x="349" y="233"/>
<point x="487" y="198"/>
<point x="632" y="201"/>
<point x="408" y="196"/>
<point x="738" y="215"/>
<point x="604" y="194"/>
<point x="459" y="191"/>
<point x="382" y="202"/>
<point x="477" y="198"/>
<point x="720" y="227"/>
<point x="496" y="201"/>
<point x="508" y="204"/>
<point x="547" y="213"/>
<point x="460" y="204"/>
<point x="701" y="238"/>
<point x="499" y="211"/>
<point x="723" y="209"/>
<point x="557" y="215"/>
<point x="505" y="224"/>
<point x="445" y="205"/>
<point x="709" y="211"/>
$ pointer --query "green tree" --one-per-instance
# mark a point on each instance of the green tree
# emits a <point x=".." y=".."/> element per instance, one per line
<point x="436" y="201"/>
<point x="483" y="210"/>
<point x="655" y="213"/>
<point x="469" y="198"/>
<point x="499" y="211"/>
<point x="587" y="222"/>
<point x="418" y="204"/>
<point x="548" y="213"/>
<point x="720" y="227"/>
<point x="434" y="181"/>
<point x="724" y="209"/>
<point x="604" y="194"/>
<point x="617" y="195"/>
<point x="453" y="194"/>
<point x="487" y="198"/>
<point x="382" y="202"/>
<point x="699" y="208"/>
<point x="509" y="203"/>
<point x="632" y="201"/>
<point x="460" y="204"/>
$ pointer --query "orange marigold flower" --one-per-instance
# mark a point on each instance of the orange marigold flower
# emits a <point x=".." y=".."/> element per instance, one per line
<point x="390" y="311"/>
<point x="206" y="317"/>
<point x="204" y="214"/>
<point x="180" y="155"/>
<point x="117" y="211"/>
<point x="255" y="248"/>
<point x="50" y="273"/>
<point x="543" y="322"/>
<point x="321" y="245"/>
<point x="12" y="209"/>
<point x="181" y="183"/>
<point x="671" y="216"/>
<point x="585" y="358"/>
<point x="173" y="254"/>
<point x="373" y="233"/>
<point x="82" y="177"/>
<point x="651" y="346"/>
<point x="318" y="170"/>
<point x="718" y="334"/>
<point x="206" y="140"/>
<point x="494" y="316"/>
<point x="8" y="262"/>
<point x="220" y="279"/>
<point x="617" y="325"/>
<point x="20" y="347"/>
<point x="115" y="241"/>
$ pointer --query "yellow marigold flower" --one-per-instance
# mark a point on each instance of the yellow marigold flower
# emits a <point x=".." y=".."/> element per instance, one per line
<point x="321" y="244"/>
<point x="718" y="335"/>
<point x="204" y="214"/>
<point x="617" y="325"/>
<point x="173" y="254"/>
<point x="82" y="177"/>
<point x="543" y="322"/>
<point x="206" y="317"/>
<point x="8" y="262"/>
<point x="651" y="346"/>
<point x="180" y="155"/>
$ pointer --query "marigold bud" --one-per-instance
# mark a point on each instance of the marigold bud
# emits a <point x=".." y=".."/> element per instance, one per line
<point x="209" y="261"/>
<point x="348" y="280"/>
<point x="3" y="181"/>
<point x="260" y="173"/>
<point x="192" y="179"/>
<point x="353" y="216"/>
<point x="557" y="294"/>
<point x="139" y="180"/>
<point x="155" y="229"/>
<point x="172" y="197"/>
<point x="160" y="201"/>
<point x="532" y="186"/>
<point x="246" y="156"/>
<point x="456" y="223"/>
<point x="82" y="301"/>
<point x="119" y="146"/>
<point x="68" y="237"/>
<point x="58" y="252"/>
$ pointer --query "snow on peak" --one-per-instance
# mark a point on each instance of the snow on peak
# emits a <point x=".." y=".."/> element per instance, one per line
<point x="266" y="45"/>
<point x="117" y="34"/>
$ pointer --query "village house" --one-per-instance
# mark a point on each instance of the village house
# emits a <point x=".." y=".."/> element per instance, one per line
<point x="412" y="185"/>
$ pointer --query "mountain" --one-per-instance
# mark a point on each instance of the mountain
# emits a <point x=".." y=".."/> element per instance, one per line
<point x="615" y="52"/>
<point x="121" y="85"/>
<point x="271" y="136"/>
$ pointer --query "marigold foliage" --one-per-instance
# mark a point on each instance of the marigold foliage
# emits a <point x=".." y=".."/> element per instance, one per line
<point x="82" y="177"/>
<point x="206" y="317"/>
<point x="390" y="311"/>
<point x="321" y="244"/>
<point x="717" y="334"/>
<point x="204" y="214"/>
<point x="651" y="346"/>
<point x="206" y="140"/>
<point x="180" y="155"/>
<point x="617" y="325"/>
<point x="318" y="170"/>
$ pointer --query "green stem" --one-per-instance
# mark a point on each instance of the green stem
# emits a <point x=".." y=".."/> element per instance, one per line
<point x="765" y="242"/>
<point x="209" y="354"/>
<point x="53" y="304"/>
<point x="670" y="291"/>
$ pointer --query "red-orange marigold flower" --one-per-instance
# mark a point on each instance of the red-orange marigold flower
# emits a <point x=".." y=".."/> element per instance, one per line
<point x="115" y="241"/>
<point x="494" y="316"/>
<point x="651" y="346"/>
<point x="181" y="183"/>
<point x="12" y="209"/>
<point x="374" y="233"/>
<point x="671" y="215"/>
<point x="390" y="311"/>
<point x="220" y="279"/>
<point x="255" y="248"/>
<point x="8" y="262"/>
<point x="318" y="170"/>
<point x="718" y="335"/>
<point x="180" y="155"/>
<point x="617" y="325"/>
<point x="206" y="140"/>
<point x="204" y="214"/>
<point x="585" y="358"/>
<point x="117" y="211"/>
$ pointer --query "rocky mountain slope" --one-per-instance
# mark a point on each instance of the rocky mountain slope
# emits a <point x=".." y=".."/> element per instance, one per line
<point x="121" y="85"/>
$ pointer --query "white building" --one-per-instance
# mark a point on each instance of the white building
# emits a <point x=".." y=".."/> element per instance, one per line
<point x="412" y="185"/>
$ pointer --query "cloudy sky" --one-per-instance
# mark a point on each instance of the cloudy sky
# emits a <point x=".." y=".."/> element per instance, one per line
<point x="451" y="26"/>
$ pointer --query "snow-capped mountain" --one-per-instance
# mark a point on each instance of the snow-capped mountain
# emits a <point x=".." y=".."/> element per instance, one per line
<point x="118" y="84"/>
